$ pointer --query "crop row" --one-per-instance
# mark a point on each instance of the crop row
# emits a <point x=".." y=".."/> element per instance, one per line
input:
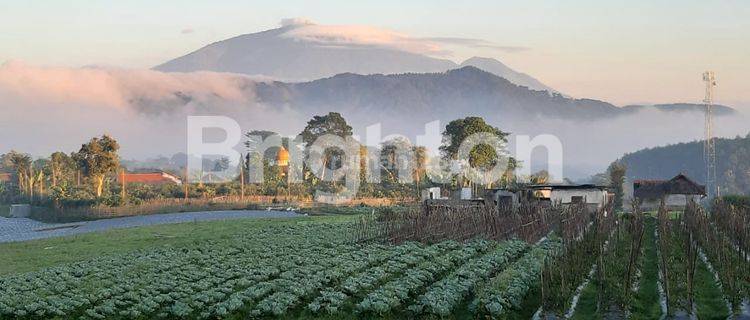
<point x="444" y="296"/>
<point x="291" y="291"/>
<point x="391" y="295"/>
<point x="334" y="298"/>
<point x="508" y="288"/>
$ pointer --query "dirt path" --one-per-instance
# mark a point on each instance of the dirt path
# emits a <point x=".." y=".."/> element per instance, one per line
<point x="22" y="229"/>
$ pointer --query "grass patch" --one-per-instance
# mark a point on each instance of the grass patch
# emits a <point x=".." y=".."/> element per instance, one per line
<point x="33" y="255"/>
<point x="587" y="307"/>
<point x="708" y="296"/>
<point x="350" y="210"/>
<point x="646" y="301"/>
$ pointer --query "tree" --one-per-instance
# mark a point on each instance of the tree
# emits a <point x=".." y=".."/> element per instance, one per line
<point x="332" y="123"/>
<point x="97" y="159"/>
<point x="540" y="177"/>
<point x="60" y="167"/>
<point x="420" y="167"/>
<point x="509" y="177"/>
<point x="600" y="179"/>
<point x="481" y="156"/>
<point x="21" y="163"/>
<point x="255" y="139"/>
<point x="617" y="171"/>
<point x="396" y="159"/>
<point x="221" y="164"/>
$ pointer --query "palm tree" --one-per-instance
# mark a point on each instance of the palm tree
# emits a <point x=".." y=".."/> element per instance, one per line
<point x="24" y="171"/>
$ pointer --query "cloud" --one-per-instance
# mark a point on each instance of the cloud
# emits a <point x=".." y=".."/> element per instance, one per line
<point x="476" y="43"/>
<point x="295" y="22"/>
<point x="47" y="109"/>
<point x="355" y="36"/>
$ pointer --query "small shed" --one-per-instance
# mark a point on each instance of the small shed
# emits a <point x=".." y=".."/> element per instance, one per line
<point x="503" y="197"/>
<point x="431" y="193"/>
<point x="675" y="192"/>
<point x="20" y="211"/>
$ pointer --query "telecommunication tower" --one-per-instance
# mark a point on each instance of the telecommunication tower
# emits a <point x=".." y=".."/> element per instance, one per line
<point x="709" y="146"/>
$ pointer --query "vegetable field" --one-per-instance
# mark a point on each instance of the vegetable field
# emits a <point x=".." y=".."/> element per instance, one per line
<point x="307" y="270"/>
<point x="689" y="264"/>
<point x="579" y="264"/>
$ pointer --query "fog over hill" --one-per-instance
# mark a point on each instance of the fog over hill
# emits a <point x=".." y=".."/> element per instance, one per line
<point x="732" y="165"/>
<point x="50" y="109"/>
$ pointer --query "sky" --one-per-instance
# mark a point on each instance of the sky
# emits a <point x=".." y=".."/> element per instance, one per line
<point x="638" y="51"/>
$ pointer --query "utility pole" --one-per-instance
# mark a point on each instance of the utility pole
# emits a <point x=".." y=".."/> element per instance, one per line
<point x="709" y="146"/>
<point x="242" y="178"/>
<point x="186" y="182"/>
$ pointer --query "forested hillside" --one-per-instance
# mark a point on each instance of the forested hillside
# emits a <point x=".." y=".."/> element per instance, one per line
<point x="732" y="161"/>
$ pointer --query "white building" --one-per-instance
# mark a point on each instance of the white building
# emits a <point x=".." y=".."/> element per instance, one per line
<point x="595" y="197"/>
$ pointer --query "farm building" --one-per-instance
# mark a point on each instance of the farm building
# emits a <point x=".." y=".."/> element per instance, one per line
<point x="596" y="197"/>
<point x="675" y="192"/>
<point x="503" y="197"/>
<point x="149" y="178"/>
<point x="431" y="193"/>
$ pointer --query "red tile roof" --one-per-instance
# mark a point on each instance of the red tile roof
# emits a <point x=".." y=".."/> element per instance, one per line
<point x="149" y="178"/>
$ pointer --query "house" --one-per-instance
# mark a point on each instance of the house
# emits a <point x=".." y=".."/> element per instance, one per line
<point x="675" y="192"/>
<point x="595" y="197"/>
<point x="149" y="178"/>
<point x="5" y="177"/>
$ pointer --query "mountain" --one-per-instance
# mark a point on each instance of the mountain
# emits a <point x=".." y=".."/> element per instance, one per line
<point x="718" y="110"/>
<point x="501" y="70"/>
<point x="278" y="54"/>
<point x="732" y="163"/>
<point x="450" y="94"/>
<point x="271" y="53"/>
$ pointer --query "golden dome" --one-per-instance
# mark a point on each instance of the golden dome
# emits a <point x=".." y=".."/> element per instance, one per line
<point x="282" y="158"/>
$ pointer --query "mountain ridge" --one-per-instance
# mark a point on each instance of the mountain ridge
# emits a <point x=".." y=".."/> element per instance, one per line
<point x="444" y="92"/>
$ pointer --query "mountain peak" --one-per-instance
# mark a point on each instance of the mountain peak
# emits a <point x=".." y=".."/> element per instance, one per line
<point x="476" y="59"/>
<point x="296" y="22"/>
<point x="494" y="66"/>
